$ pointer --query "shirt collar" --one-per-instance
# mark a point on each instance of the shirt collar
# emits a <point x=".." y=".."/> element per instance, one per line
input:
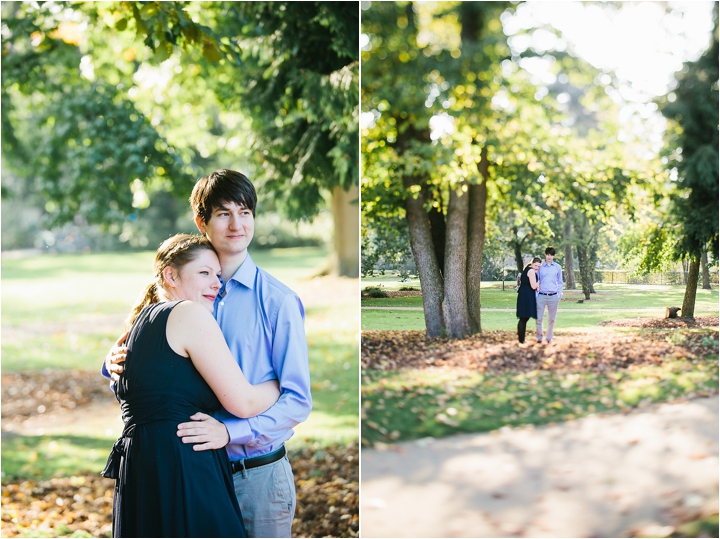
<point x="245" y="274"/>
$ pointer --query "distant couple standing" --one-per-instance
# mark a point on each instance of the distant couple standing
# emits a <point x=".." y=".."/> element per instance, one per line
<point x="541" y="286"/>
<point x="203" y="452"/>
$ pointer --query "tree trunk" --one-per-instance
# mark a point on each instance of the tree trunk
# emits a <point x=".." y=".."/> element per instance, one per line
<point x="423" y="250"/>
<point x="517" y="252"/>
<point x="437" y="228"/>
<point x="585" y="238"/>
<point x="455" y="301"/>
<point x="592" y="255"/>
<point x="688" y="306"/>
<point x="346" y="255"/>
<point x="475" y="243"/>
<point x="705" y="272"/>
<point x="568" y="258"/>
<point x="583" y="260"/>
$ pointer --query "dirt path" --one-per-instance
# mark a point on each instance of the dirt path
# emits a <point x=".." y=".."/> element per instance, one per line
<point x="600" y="476"/>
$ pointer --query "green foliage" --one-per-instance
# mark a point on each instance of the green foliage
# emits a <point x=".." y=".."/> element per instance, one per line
<point x="291" y="67"/>
<point x="695" y="155"/>
<point x="373" y="292"/>
<point x="108" y="108"/>
<point x="385" y="243"/>
<point x="91" y="154"/>
<point x="554" y="148"/>
<point x="700" y="527"/>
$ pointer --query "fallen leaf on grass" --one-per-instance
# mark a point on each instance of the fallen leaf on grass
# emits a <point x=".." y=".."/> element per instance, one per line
<point x="499" y="352"/>
<point x="326" y="481"/>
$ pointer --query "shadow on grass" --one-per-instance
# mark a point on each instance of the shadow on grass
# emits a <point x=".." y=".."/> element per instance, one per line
<point x="412" y="404"/>
<point x="43" y="457"/>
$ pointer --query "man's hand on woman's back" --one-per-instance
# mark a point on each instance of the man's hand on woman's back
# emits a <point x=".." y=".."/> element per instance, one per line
<point x="115" y="358"/>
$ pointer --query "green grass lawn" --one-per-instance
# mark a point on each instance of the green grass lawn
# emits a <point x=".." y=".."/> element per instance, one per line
<point x="491" y="320"/>
<point x="65" y="311"/>
<point x="414" y="403"/>
<point x="410" y="404"/>
<point x="634" y="300"/>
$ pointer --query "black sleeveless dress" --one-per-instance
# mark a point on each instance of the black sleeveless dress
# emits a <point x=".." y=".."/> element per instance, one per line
<point x="526" y="302"/>
<point x="163" y="488"/>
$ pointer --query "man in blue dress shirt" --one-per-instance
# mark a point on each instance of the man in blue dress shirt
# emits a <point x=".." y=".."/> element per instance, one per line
<point x="263" y="323"/>
<point x="549" y="293"/>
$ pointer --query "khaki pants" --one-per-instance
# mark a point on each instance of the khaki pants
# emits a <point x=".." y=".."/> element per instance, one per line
<point x="266" y="495"/>
<point x="552" y="306"/>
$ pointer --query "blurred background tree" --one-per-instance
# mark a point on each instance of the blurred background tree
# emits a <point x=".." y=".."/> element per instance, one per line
<point x="463" y="129"/>
<point x="688" y="213"/>
<point x="479" y="117"/>
<point x="110" y="111"/>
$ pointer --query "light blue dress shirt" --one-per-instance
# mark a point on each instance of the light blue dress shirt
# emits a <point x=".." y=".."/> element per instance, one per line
<point x="551" y="278"/>
<point x="263" y="324"/>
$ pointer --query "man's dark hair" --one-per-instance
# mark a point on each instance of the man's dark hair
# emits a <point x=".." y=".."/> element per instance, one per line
<point x="550" y="251"/>
<point x="221" y="187"/>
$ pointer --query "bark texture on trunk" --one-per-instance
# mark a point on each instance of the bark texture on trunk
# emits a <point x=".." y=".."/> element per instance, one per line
<point x="455" y="305"/>
<point x="438" y="231"/>
<point x="688" y="306"/>
<point x="568" y="256"/>
<point x="592" y="255"/>
<point x="517" y="253"/>
<point x="346" y="217"/>
<point x="705" y="272"/>
<point x="586" y="248"/>
<point x="475" y="243"/>
<point x="428" y="270"/>
<point x="584" y="262"/>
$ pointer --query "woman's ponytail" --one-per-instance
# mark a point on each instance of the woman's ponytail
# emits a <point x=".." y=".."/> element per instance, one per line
<point x="148" y="297"/>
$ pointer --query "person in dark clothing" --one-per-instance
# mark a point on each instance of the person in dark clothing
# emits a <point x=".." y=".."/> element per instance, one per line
<point x="177" y="363"/>
<point x="526" y="302"/>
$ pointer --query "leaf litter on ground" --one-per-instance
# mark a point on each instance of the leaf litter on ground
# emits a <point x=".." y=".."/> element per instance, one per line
<point x="326" y="481"/>
<point x="326" y="478"/>
<point x="499" y="351"/>
<point x="433" y="370"/>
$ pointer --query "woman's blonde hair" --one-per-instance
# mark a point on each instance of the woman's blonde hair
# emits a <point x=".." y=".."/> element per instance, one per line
<point x="175" y="252"/>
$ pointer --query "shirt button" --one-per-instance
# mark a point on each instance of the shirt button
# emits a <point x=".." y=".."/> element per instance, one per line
<point x="222" y="303"/>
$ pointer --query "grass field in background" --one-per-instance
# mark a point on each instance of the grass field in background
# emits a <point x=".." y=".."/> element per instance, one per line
<point x="402" y="320"/>
<point x="65" y="311"/>
<point x="635" y="300"/>
<point x="413" y="403"/>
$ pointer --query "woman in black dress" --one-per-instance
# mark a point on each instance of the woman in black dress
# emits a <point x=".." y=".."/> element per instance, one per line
<point x="526" y="303"/>
<point x="178" y="364"/>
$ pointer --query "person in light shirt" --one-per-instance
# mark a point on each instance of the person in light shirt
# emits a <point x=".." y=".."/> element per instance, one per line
<point x="263" y="323"/>
<point x="549" y="294"/>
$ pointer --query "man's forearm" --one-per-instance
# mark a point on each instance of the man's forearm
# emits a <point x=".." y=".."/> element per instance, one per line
<point x="271" y="425"/>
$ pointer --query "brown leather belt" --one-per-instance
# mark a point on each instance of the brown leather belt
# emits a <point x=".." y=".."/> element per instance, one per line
<point x="254" y="462"/>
